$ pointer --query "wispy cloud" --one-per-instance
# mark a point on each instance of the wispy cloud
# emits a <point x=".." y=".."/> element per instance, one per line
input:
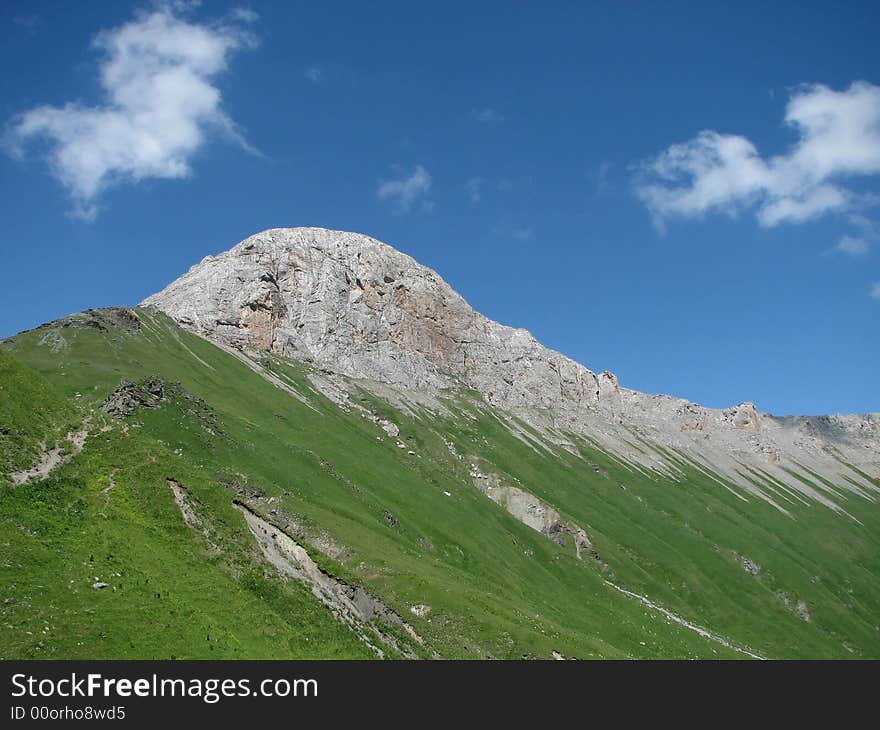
<point x="314" y="74"/>
<point x="865" y="237"/>
<point x="518" y="230"/>
<point x="245" y="14"/>
<point x="157" y="73"/>
<point x="875" y="290"/>
<point x="838" y="138"/>
<point x="487" y="115"/>
<point x="852" y="246"/>
<point x="26" y="23"/>
<point x="474" y="189"/>
<point x="408" y="190"/>
<point x="599" y="175"/>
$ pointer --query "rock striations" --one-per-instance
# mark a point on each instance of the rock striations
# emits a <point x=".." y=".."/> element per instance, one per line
<point x="353" y="306"/>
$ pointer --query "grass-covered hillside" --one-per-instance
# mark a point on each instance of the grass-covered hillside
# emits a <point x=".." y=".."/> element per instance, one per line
<point x="138" y="541"/>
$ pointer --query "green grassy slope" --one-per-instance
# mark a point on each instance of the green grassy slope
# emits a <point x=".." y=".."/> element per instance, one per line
<point x="30" y="414"/>
<point x="411" y="528"/>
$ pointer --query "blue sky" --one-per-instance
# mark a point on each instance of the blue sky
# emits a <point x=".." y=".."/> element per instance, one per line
<point x="685" y="194"/>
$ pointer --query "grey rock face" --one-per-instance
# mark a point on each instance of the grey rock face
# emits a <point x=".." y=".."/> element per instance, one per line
<point x="351" y="305"/>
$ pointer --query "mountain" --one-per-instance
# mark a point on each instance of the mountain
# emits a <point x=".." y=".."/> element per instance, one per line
<point x="354" y="306"/>
<point x="312" y="446"/>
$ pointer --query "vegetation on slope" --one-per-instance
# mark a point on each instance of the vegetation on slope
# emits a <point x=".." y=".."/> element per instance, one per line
<point x="410" y="528"/>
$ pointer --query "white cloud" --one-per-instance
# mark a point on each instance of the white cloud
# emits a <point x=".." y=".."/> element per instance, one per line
<point x="865" y="236"/>
<point x="875" y="290"/>
<point x="473" y="188"/>
<point x="487" y="116"/>
<point x="160" y="103"/>
<point x="245" y="15"/>
<point x="838" y="138"/>
<point x="406" y="191"/>
<point x="314" y="74"/>
<point x="852" y="246"/>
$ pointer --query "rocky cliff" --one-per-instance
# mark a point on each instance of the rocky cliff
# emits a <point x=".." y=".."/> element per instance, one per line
<point x="353" y="306"/>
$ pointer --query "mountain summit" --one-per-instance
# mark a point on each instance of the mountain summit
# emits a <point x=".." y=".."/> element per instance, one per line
<point x="356" y="307"/>
<point x="353" y="305"/>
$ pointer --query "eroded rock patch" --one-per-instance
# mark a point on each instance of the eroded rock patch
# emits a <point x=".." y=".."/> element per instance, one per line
<point x="368" y="616"/>
<point x="533" y="512"/>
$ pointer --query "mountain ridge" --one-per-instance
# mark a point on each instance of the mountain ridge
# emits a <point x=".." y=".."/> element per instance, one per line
<point x="354" y="306"/>
<point x="158" y="299"/>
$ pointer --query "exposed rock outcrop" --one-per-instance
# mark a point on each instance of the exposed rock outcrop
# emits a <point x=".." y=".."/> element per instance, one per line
<point x="153" y="392"/>
<point x="129" y="396"/>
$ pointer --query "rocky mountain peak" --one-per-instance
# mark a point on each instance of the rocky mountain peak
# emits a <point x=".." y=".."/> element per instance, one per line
<point x="355" y="306"/>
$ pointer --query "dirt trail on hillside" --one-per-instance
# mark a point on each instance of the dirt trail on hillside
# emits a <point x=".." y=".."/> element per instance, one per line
<point x="705" y="633"/>
<point x="53" y="458"/>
